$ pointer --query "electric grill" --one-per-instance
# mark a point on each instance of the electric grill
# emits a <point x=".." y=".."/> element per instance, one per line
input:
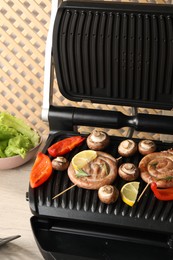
<point x="108" y="53"/>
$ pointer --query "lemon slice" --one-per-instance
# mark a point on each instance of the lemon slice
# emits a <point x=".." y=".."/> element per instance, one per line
<point x="82" y="158"/>
<point x="129" y="192"/>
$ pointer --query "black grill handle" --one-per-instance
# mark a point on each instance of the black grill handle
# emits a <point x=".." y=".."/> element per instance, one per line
<point x="153" y="123"/>
<point x="65" y="118"/>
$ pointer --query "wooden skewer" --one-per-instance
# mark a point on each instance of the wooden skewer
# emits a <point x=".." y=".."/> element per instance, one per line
<point x="59" y="194"/>
<point x="119" y="158"/>
<point x="143" y="191"/>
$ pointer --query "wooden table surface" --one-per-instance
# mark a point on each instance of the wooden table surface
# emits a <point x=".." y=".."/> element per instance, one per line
<point x="15" y="215"/>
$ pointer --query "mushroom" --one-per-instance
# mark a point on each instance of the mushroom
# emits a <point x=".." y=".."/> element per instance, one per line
<point x="108" y="194"/>
<point x="146" y="147"/>
<point x="127" y="148"/>
<point x="98" y="140"/>
<point x="128" y="171"/>
<point x="60" y="163"/>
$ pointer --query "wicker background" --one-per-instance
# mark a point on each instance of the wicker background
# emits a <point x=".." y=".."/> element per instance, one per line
<point x="23" y="31"/>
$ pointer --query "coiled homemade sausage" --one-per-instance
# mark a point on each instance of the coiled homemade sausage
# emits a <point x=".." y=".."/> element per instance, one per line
<point x="158" y="167"/>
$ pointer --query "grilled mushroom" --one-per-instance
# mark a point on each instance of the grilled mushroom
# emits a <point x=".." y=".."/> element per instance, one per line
<point x="128" y="171"/>
<point x="108" y="194"/>
<point x="146" y="147"/>
<point x="60" y="163"/>
<point x="127" y="148"/>
<point x="98" y="140"/>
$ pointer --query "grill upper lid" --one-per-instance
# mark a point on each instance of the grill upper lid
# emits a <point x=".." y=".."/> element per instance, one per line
<point x="115" y="53"/>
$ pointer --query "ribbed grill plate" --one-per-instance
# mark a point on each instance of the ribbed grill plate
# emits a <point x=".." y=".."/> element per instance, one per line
<point x="116" y="53"/>
<point x="80" y="204"/>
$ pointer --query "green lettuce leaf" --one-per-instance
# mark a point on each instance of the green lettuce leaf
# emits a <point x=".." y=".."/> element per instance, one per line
<point x="7" y="132"/>
<point x="20" y="126"/>
<point x="18" y="145"/>
<point x="3" y="145"/>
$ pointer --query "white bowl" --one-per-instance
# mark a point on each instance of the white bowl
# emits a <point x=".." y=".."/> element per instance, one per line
<point x="16" y="161"/>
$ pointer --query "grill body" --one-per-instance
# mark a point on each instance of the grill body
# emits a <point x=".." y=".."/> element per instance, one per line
<point x="108" y="53"/>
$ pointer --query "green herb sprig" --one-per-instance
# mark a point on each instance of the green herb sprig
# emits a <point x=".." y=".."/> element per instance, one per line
<point x="80" y="173"/>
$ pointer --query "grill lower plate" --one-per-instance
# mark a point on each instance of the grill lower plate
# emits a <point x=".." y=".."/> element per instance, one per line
<point x="148" y="214"/>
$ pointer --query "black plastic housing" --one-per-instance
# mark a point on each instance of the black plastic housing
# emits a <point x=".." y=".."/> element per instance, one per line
<point x="64" y="240"/>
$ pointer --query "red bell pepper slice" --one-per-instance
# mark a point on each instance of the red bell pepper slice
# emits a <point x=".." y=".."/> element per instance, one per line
<point x="64" y="146"/>
<point x="162" y="194"/>
<point x="41" y="170"/>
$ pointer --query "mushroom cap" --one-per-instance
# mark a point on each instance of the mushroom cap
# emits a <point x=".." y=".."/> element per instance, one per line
<point x="127" y="148"/>
<point x="98" y="140"/>
<point x="146" y="147"/>
<point x="60" y="163"/>
<point x="128" y="171"/>
<point x="108" y="194"/>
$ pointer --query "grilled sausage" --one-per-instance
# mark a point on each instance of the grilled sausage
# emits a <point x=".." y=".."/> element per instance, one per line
<point x="98" y="172"/>
<point x="158" y="167"/>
